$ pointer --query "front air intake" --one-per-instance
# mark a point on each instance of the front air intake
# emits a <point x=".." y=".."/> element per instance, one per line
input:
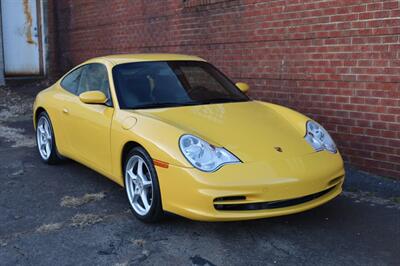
<point x="270" y="204"/>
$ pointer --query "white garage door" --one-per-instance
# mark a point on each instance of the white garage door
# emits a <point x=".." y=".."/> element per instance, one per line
<point x="21" y="38"/>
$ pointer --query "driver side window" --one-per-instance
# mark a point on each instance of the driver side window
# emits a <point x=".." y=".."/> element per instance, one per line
<point x="88" y="78"/>
<point x="94" y="77"/>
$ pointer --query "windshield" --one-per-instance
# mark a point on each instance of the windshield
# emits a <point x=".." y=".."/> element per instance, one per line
<point x="172" y="83"/>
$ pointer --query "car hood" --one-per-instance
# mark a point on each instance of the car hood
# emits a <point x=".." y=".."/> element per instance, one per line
<point x="252" y="130"/>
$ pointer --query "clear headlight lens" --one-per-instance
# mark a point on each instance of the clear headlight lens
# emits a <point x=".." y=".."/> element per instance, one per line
<point x="203" y="155"/>
<point x="319" y="138"/>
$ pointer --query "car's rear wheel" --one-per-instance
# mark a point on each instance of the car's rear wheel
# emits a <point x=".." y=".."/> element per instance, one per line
<point x="45" y="140"/>
<point x="141" y="186"/>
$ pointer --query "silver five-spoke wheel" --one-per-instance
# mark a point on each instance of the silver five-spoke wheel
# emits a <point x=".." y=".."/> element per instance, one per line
<point x="139" y="185"/>
<point x="44" y="138"/>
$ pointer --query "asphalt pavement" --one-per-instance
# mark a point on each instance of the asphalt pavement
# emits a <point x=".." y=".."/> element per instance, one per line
<point x="70" y="215"/>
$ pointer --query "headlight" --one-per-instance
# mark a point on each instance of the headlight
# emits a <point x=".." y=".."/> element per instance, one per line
<point x="203" y="155"/>
<point x="319" y="138"/>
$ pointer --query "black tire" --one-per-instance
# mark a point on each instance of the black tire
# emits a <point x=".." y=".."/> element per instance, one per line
<point x="156" y="212"/>
<point x="54" y="156"/>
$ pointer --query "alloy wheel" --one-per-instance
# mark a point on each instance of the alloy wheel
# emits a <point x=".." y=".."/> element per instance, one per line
<point x="139" y="185"/>
<point x="44" y="138"/>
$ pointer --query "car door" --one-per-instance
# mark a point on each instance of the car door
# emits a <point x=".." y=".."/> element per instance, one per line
<point x="66" y="96"/>
<point x="88" y="125"/>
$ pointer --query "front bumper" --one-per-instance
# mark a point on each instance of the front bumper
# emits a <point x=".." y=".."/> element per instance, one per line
<point x="252" y="190"/>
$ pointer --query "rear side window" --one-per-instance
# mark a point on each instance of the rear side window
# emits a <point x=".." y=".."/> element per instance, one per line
<point x="71" y="81"/>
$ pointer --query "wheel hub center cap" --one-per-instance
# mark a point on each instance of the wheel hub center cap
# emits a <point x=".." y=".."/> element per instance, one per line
<point x="139" y="185"/>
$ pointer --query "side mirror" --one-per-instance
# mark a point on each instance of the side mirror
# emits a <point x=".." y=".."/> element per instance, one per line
<point x="244" y="87"/>
<point x="93" y="97"/>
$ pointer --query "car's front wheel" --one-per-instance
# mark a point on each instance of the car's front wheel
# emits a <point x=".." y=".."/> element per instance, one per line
<point x="45" y="140"/>
<point x="141" y="185"/>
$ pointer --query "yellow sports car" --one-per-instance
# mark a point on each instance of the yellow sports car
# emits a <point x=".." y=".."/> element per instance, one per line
<point x="182" y="138"/>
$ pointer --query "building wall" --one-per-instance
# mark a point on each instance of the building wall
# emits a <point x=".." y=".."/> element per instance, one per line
<point x="54" y="70"/>
<point x="338" y="61"/>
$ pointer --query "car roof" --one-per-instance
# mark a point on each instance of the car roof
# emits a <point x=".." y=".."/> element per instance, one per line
<point x="130" y="58"/>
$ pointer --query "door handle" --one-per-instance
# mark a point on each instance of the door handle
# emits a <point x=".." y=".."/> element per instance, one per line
<point x="65" y="111"/>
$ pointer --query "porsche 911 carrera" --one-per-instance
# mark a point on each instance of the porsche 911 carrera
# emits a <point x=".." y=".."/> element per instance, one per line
<point x="182" y="138"/>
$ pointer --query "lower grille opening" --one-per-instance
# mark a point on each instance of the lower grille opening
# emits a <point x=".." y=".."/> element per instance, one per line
<point x="230" y="198"/>
<point x="270" y="204"/>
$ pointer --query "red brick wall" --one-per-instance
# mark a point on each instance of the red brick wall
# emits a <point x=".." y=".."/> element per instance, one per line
<point x="337" y="61"/>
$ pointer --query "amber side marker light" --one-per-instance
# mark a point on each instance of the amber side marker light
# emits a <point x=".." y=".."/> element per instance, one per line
<point x="160" y="163"/>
